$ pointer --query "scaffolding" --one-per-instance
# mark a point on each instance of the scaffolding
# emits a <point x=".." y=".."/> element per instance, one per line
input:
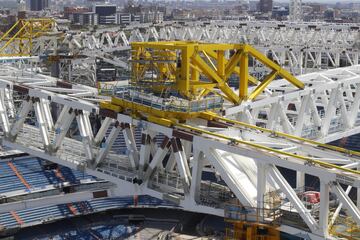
<point x="249" y="223"/>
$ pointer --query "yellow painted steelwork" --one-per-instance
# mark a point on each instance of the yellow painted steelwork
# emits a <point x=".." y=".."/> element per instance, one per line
<point x="245" y="230"/>
<point x="196" y="69"/>
<point x="267" y="149"/>
<point x="18" y="40"/>
<point x="124" y="105"/>
<point x="214" y="116"/>
<point x="345" y="228"/>
<point x="251" y="223"/>
<point x="179" y="66"/>
<point x="171" y="119"/>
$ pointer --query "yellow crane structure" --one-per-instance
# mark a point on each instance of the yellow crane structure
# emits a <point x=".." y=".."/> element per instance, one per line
<point x="196" y="69"/>
<point x="194" y="76"/>
<point x="18" y="40"/>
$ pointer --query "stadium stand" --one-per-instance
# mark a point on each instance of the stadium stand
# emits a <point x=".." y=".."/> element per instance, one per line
<point x="34" y="216"/>
<point x="28" y="173"/>
<point x="97" y="232"/>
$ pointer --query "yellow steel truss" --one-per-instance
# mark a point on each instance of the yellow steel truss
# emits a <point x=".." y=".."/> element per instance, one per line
<point x="18" y="40"/>
<point x="196" y="69"/>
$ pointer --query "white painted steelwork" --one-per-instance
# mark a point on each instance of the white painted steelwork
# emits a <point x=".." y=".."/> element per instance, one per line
<point x="173" y="169"/>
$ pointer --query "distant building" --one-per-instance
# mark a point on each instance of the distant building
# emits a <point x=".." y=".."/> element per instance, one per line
<point x="88" y="18"/>
<point x="280" y="13"/>
<point x="38" y="5"/>
<point x="21" y="9"/>
<point x="123" y="18"/>
<point x="254" y="6"/>
<point x="317" y="7"/>
<point x="73" y="10"/>
<point x="106" y="13"/>
<point x="329" y="14"/>
<point x="152" y="17"/>
<point x="265" y="6"/>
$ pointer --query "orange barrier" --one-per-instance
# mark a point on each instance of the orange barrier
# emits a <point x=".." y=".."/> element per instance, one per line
<point x="17" y="218"/>
<point x="72" y="208"/>
<point x="22" y="179"/>
<point x="59" y="175"/>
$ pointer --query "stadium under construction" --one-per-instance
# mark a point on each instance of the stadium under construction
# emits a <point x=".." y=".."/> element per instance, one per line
<point x="220" y="130"/>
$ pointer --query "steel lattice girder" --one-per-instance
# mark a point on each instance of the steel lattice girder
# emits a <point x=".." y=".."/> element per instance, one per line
<point x="229" y="156"/>
<point x="26" y="31"/>
<point x="161" y="57"/>
<point x="298" y="47"/>
<point x="326" y="108"/>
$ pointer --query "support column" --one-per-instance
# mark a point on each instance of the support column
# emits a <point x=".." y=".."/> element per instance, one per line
<point x="20" y="118"/>
<point x="244" y="76"/>
<point x="9" y="102"/>
<point x="273" y="116"/>
<point x="102" y="131"/>
<point x="329" y="112"/>
<point x="45" y="108"/>
<point x="86" y="139"/>
<point x="108" y="143"/>
<point x="182" y="164"/>
<point x="261" y="188"/>
<point x="41" y="121"/>
<point x="324" y="208"/>
<point x="145" y="149"/>
<point x="354" y="110"/>
<point x="4" y="115"/>
<point x="62" y="126"/>
<point x="88" y="125"/>
<point x="356" y="59"/>
<point x="301" y="115"/>
<point x="198" y="164"/>
<point x="158" y="158"/>
<point x="187" y="145"/>
<point x="130" y="145"/>
<point x="170" y="165"/>
<point x="300" y="179"/>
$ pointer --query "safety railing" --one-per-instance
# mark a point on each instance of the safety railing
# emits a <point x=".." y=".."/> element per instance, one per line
<point x="172" y="104"/>
<point x="214" y="195"/>
<point x="171" y="180"/>
<point x="29" y="136"/>
<point x="237" y="212"/>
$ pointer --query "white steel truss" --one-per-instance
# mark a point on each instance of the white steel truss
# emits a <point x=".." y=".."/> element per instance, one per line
<point x="246" y="160"/>
<point x="326" y="110"/>
<point x="299" y="47"/>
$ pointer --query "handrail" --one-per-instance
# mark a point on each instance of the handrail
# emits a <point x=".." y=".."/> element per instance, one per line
<point x="281" y="134"/>
<point x="258" y="146"/>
